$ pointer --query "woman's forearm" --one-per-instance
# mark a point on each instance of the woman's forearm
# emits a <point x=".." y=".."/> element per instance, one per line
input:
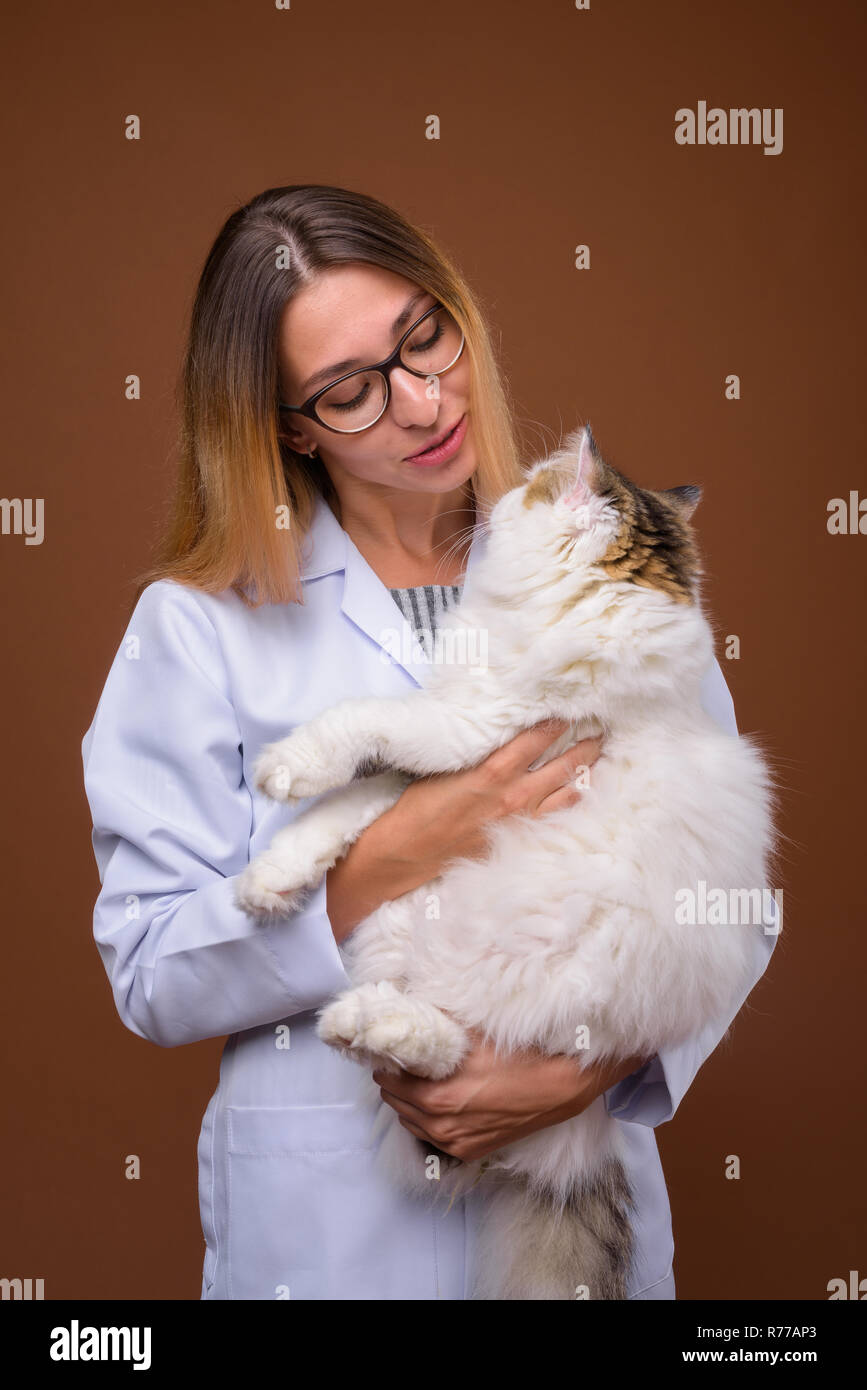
<point x="373" y="871"/>
<point x="445" y="816"/>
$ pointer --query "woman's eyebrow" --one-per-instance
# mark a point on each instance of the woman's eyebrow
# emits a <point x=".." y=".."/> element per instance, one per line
<point x="335" y="369"/>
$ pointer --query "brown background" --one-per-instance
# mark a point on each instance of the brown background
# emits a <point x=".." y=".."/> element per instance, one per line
<point x="557" y="128"/>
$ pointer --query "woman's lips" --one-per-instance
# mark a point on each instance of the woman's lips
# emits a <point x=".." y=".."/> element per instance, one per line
<point x="443" y="451"/>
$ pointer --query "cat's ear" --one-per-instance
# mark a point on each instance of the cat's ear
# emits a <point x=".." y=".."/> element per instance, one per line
<point x="582" y="446"/>
<point x="685" y="498"/>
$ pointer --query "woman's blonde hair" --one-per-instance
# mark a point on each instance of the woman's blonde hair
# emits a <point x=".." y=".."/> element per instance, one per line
<point x="235" y="470"/>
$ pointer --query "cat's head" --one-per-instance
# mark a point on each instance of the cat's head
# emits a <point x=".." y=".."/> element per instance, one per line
<point x="577" y="523"/>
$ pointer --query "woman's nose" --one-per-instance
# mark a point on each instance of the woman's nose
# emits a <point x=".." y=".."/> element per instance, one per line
<point x="415" y="400"/>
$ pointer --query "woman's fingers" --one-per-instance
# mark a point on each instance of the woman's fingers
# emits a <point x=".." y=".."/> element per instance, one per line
<point x="582" y="754"/>
<point x="414" y="1129"/>
<point x="523" y="750"/>
<point x="526" y="790"/>
<point x="411" y="1116"/>
<point x="561" y="772"/>
<point x="558" y="800"/>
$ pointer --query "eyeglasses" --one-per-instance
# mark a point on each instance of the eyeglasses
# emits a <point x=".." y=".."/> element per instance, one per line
<point x="356" y="400"/>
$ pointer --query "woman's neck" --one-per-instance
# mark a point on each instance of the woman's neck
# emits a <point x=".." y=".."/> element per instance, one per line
<point x="413" y="544"/>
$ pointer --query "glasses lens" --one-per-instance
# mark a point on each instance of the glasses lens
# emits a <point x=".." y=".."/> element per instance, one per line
<point x="435" y="345"/>
<point x="359" y="400"/>
<point x="353" y="403"/>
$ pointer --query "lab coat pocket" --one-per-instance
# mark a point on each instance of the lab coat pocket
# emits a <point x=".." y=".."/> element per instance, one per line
<point x="310" y="1215"/>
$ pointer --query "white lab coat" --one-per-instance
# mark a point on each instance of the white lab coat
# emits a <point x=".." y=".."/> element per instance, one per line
<point x="292" y="1202"/>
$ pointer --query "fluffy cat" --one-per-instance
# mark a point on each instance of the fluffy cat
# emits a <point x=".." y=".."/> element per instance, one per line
<point x="566" y="937"/>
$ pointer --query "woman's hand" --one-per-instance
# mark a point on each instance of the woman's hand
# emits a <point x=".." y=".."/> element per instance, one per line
<point x="443" y="816"/>
<point x="491" y="1101"/>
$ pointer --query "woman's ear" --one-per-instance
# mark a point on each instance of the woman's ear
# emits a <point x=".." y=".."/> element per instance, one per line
<point x="295" y="438"/>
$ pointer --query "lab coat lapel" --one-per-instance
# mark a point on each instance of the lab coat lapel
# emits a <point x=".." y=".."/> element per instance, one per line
<point x="366" y="601"/>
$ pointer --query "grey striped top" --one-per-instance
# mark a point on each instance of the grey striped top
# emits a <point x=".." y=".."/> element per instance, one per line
<point x="423" y="606"/>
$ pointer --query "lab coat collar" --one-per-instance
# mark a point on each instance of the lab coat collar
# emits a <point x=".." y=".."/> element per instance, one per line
<point x="366" y="601"/>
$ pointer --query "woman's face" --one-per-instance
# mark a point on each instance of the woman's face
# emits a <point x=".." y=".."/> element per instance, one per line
<point x="347" y="313"/>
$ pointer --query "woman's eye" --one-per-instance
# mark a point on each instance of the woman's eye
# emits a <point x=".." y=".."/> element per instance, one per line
<point x="354" y="403"/>
<point x="429" y="342"/>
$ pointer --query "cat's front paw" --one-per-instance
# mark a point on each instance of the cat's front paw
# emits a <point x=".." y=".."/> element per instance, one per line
<point x="302" y="765"/>
<point x="340" y="1022"/>
<point x="266" y="888"/>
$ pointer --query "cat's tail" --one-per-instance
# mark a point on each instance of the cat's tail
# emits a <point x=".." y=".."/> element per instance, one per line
<point x="533" y="1246"/>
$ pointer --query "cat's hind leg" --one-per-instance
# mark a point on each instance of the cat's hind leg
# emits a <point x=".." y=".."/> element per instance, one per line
<point x="378" y="1023"/>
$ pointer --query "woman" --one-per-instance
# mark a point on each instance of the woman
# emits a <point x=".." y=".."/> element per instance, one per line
<point x="344" y="431"/>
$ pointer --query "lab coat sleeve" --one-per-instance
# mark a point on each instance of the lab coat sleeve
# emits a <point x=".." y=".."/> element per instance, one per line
<point x="651" y="1095"/>
<point x="172" y="817"/>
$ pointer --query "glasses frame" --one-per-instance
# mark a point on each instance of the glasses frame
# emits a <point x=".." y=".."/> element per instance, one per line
<point x="385" y="369"/>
